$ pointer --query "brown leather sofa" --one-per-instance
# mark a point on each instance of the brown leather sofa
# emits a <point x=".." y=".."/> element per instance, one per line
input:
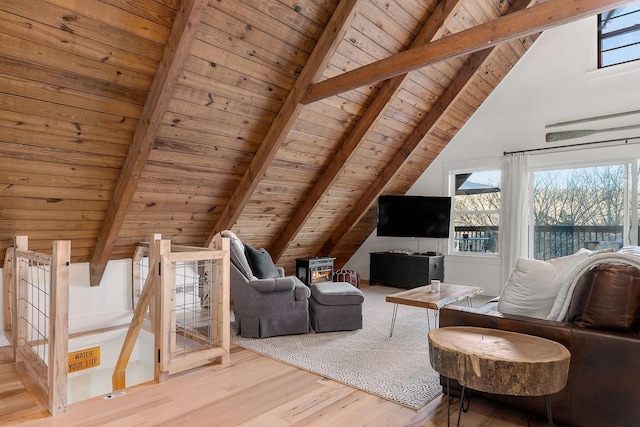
<point x="602" y="332"/>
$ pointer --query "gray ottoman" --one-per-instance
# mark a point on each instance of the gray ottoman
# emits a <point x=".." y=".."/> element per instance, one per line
<point x="335" y="306"/>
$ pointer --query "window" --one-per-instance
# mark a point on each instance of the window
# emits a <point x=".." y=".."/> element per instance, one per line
<point x="476" y="215"/>
<point x="619" y="36"/>
<point x="582" y="208"/>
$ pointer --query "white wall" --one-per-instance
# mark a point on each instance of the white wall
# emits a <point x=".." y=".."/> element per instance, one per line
<point x="555" y="81"/>
<point x="94" y="307"/>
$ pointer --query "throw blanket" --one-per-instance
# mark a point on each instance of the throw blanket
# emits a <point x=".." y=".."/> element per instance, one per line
<point x="560" y="307"/>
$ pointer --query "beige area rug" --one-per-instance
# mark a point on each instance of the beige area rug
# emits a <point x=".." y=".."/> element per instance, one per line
<point x="396" y="368"/>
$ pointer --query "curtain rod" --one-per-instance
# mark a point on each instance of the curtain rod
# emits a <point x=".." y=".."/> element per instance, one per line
<point x="583" y="144"/>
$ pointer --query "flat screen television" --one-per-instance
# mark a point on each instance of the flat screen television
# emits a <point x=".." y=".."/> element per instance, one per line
<point x="414" y="216"/>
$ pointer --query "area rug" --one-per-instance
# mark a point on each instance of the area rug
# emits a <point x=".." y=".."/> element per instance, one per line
<point x="396" y="368"/>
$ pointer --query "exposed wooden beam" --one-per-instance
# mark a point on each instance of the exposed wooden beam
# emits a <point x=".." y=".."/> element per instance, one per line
<point x="508" y="27"/>
<point x="449" y="97"/>
<point x="175" y="54"/>
<point x="329" y="41"/>
<point x="432" y="29"/>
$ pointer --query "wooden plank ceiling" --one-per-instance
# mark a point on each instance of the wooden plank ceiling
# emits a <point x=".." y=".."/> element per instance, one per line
<point x="282" y="120"/>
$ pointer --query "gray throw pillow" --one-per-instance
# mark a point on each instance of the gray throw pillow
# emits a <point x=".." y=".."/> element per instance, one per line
<point x="261" y="263"/>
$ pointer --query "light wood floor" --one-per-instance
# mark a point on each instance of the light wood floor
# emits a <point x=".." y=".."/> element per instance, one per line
<point x="252" y="390"/>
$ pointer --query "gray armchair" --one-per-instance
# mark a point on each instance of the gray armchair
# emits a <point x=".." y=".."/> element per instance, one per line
<point x="268" y="306"/>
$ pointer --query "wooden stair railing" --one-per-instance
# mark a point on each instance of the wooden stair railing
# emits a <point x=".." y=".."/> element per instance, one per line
<point x="39" y="323"/>
<point x="149" y="290"/>
<point x="181" y="341"/>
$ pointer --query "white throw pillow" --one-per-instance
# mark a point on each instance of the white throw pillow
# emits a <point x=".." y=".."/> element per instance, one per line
<point x="533" y="285"/>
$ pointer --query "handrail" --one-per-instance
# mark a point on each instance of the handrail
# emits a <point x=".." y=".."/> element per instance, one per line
<point x="118" y="379"/>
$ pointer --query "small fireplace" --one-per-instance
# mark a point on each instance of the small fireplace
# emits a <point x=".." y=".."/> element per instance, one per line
<point x="314" y="270"/>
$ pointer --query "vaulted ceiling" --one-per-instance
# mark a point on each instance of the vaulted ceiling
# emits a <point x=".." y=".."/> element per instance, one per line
<point x="282" y="120"/>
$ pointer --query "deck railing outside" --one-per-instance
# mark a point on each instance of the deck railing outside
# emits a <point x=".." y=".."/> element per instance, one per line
<point x="556" y="241"/>
<point x="550" y="241"/>
<point x="476" y="239"/>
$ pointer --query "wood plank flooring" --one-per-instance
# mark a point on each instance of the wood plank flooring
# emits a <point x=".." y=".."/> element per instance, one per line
<point x="252" y="391"/>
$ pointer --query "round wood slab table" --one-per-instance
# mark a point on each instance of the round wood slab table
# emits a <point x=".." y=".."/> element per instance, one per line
<point x="500" y="362"/>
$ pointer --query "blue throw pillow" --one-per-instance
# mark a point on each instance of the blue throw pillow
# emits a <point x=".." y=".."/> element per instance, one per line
<point x="262" y="265"/>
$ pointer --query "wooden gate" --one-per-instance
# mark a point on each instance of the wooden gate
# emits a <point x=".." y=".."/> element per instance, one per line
<point x="186" y="293"/>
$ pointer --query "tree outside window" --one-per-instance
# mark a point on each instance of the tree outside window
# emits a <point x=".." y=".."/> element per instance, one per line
<point x="578" y="208"/>
<point x="477" y="212"/>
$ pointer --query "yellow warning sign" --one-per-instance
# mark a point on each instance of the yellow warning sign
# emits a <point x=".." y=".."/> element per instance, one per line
<point x="84" y="359"/>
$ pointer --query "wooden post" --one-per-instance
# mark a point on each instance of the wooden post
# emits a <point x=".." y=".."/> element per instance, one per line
<point x="21" y="244"/>
<point x="161" y="320"/>
<point x="166" y="309"/>
<point x="59" y="327"/>
<point x="152" y="304"/>
<point x="223" y="290"/>
<point x="222" y="281"/>
<point x="8" y="307"/>
<point x="214" y="292"/>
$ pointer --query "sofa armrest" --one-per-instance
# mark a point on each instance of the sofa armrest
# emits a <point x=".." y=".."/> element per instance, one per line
<point x="302" y="291"/>
<point x="273" y="285"/>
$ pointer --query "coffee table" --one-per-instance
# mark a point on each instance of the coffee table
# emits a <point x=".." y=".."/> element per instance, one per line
<point x="499" y="362"/>
<point x="424" y="297"/>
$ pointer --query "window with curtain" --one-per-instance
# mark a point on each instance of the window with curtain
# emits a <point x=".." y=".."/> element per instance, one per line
<point x="476" y="212"/>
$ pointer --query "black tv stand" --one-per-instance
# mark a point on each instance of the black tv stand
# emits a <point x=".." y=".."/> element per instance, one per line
<point x="405" y="270"/>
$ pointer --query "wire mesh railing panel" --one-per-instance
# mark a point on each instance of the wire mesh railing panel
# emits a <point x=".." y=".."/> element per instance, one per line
<point x="40" y="317"/>
<point x="143" y="272"/>
<point x="193" y="328"/>
<point x="141" y="277"/>
<point x="35" y="300"/>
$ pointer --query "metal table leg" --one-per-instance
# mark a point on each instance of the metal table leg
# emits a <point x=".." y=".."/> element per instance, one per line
<point x="465" y="395"/>
<point x="548" y="404"/>
<point x="448" y="404"/>
<point x="393" y="318"/>
<point x="461" y="405"/>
